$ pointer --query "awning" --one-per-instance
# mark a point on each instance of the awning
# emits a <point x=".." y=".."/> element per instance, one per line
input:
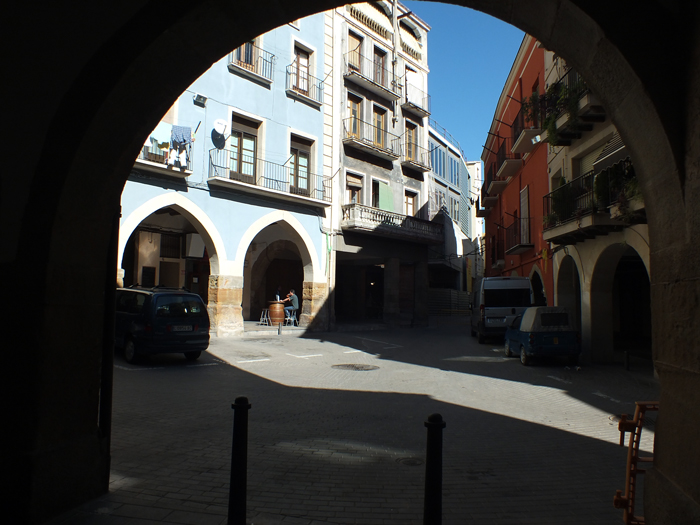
<point x="613" y="152"/>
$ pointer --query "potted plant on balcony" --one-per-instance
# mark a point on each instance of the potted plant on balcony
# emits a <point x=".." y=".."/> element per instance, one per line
<point x="549" y="221"/>
<point x="531" y="107"/>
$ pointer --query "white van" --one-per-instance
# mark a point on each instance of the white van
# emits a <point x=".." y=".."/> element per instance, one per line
<point x="497" y="301"/>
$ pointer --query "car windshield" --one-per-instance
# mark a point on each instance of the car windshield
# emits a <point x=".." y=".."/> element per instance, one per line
<point x="506" y="297"/>
<point x="179" y="306"/>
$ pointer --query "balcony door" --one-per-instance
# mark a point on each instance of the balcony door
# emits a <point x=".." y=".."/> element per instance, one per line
<point x="355" y="111"/>
<point x="379" y="67"/>
<point x="379" y="123"/>
<point x="244" y="56"/>
<point x="242" y="149"/>
<point x="299" y="166"/>
<point x="354" y="52"/>
<point x="300" y="71"/>
<point x="411" y="141"/>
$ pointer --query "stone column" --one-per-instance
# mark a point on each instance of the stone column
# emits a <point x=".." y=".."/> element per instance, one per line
<point x="225" y="311"/>
<point x="392" y="312"/>
<point x="314" y="306"/>
<point x="420" y="305"/>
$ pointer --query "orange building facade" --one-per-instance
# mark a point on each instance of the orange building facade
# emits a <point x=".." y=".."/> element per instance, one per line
<point x="516" y="179"/>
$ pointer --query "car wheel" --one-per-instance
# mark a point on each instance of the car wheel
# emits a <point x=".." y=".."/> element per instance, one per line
<point x="192" y="356"/>
<point x="130" y="351"/>
<point x="524" y="359"/>
<point x="508" y="352"/>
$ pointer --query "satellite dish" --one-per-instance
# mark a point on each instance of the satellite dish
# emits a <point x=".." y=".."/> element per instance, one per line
<point x="218" y="134"/>
<point x="221" y="126"/>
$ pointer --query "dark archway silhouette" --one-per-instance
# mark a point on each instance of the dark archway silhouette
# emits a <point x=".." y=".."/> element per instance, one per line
<point x="96" y="75"/>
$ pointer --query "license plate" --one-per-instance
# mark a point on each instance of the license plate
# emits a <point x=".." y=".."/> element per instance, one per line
<point x="182" y="328"/>
<point x="556" y="340"/>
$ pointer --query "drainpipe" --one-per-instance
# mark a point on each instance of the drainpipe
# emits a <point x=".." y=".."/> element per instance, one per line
<point x="395" y="59"/>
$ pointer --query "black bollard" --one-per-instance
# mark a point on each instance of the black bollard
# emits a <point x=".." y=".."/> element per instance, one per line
<point x="432" y="505"/>
<point x="239" y="463"/>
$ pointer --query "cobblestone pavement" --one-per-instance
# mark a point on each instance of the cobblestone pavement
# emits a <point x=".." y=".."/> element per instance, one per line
<point x="346" y="444"/>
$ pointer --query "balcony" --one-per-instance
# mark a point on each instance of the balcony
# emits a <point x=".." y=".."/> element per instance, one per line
<point x="257" y="176"/>
<point x="524" y="129"/>
<point x="507" y="163"/>
<point x="371" y="139"/>
<point x="372" y="74"/>
<point x="373" y="221"/>
<point x="416" y="100"/>
<point x="252" y="62"/>
<point x="573" y="214"/>
<point x="518" y="237"/>
<point x="488" y="200"/>
<point x="569" y="109"/>
<point x="481" y="212"/>
<point x="415" y="156"/>
<point x="168" y="151"/>
<point x="304" y="87"/>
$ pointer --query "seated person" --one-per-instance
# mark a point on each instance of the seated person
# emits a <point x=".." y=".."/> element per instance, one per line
<point x="294" y="303"/>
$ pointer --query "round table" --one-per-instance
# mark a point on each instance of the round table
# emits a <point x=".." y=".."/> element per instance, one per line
<point x="276" y="312"/>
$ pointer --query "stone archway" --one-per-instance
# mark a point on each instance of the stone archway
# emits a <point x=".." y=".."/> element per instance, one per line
<point x="108" y="86"/>
<point x="569" y="288"/>
<point x="619" y="305"/>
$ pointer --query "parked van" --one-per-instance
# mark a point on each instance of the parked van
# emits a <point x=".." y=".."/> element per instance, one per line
<point x="497" y="301"/>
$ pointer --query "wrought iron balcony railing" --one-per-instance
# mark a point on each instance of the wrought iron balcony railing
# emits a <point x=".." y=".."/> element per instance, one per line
<point x="416" y="100"/>
<point x="373" y="70"/>
<point x="570" y="201"/>
<point x="416" y="155"/>
<point x="175" y="152"/>
<point x="370" y="136"/>
<point x="377" y="221"/>
<point x="227" y="164"/>
<point x="253" y="59"/>
<point x="299" y="82"/>
<point x="517" y="236"/>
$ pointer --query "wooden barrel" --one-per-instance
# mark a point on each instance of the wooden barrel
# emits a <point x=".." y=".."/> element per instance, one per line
<point x="276" y="313"/>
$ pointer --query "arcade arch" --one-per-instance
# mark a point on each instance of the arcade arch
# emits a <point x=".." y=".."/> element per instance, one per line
<point x="117" y="81"/>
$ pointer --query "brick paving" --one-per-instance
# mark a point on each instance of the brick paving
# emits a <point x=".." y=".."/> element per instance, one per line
<point x="332" y="445"/>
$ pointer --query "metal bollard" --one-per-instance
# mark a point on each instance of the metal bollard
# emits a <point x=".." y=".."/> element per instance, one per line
<point x="239" y="463"/>
<point x="432" y="504"/>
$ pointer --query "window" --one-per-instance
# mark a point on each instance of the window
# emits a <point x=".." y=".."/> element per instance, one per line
<point x="379" y="67"/>
<point x="242" y="151"/>
<point x="353" y="184"/>
<point x="355" y="111"/>
<point x="525" y="214"/>
<point x="170" y="245"/>
<point x="409" y="203"/>
<point x="454" y="170"/>
<point x="299" y="165"/>
<point x="354" y="52"/>
<point x="411" y="141"/>
<point x="453" y="208"/>
<point x="379" y="121"/>
<point x="437" y="156"/>
<point x="300" y="71"/>
<point x="244" y="56"/>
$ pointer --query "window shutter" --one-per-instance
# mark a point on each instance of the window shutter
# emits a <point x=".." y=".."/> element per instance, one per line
<point x="525" y="215"/>
<point x="353" y="180"/>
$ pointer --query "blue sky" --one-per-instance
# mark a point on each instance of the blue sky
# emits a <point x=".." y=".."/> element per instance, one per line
<point x="469" y="55"/>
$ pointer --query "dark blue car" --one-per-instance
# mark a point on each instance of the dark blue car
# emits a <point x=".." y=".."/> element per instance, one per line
<point x="543" y="331"/>
<point x="160" y="321"/>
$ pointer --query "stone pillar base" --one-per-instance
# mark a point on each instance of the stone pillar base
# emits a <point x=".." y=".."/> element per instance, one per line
<point x="314" y="308"/>
<point x="225" y="311"/>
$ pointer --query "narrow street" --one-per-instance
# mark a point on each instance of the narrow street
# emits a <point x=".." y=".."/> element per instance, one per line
<point x="337" y="435"/>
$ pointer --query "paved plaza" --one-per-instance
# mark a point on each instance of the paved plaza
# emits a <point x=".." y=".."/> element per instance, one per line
<point x="337" y="434"/>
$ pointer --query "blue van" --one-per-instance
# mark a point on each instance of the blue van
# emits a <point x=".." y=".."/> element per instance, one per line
<point x="546" y="331"/>
<point x="160" y="321"/>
